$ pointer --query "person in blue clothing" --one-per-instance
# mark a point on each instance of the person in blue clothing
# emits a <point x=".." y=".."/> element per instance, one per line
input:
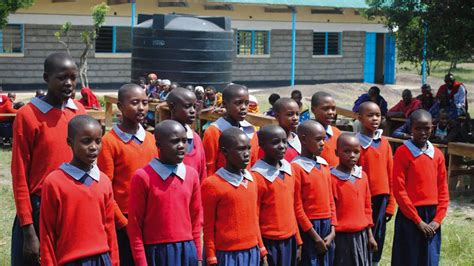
<point x="372" y="95"/>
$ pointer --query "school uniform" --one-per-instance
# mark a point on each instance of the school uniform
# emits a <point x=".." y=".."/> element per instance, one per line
<point x="121" y="155"/>
<point x="275" y="205"/>
<point x="231" y="224"/>
<point x="214" y="157"/>
<point x="354" y="215"/>
<point x="330" y="145"/>
<point x="39" y="147"/>
<point x="314" y="205"/>
<point x="421" y="190"/>
<point x="165" y="215"/>
<point x="77" y="218"/>
<point x="377" y="162"/>
<point x="292" y="151"/>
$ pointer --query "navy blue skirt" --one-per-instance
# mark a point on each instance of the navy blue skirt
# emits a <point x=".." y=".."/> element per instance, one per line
<point x="410" y="246"/>
<point x="281" y="252"/>
<point x="97" y="260"/>
<point x="172" y="254"/>
<point x="309" y="256"/>
<point x="246" y="257"/>
<point x="379" y="206"/>
<point x="125" y="252"/>
<point x="352" y="249"/>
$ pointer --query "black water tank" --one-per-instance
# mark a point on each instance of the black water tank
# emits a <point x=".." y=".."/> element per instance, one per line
<point x="186" y="49"/>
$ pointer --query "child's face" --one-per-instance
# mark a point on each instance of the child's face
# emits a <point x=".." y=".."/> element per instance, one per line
<point x="297" y="97"/>
<point x="62" y="80"/>
<point x="325" y="112"/>
<point x="86" y="144"/>
<point x="275" y="146"/>
<point x="421" y="130"/>
<point x="349" y="152"/>
<point x="238" y="154"/>
<point x="314" y="142"/>
<point x="288" y="116"/>
<point x="184" y="110"/>
<point x="237" y="106"/>
<point x="211" y="95"/>
<point x="371" y="117"/>
<point x="443" y="120"/>
<point x="135" y="105"/>
<point x="173" y="146"/>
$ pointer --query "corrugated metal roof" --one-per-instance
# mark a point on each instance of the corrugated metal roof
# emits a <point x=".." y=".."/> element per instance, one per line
<point x="319" y="3"/>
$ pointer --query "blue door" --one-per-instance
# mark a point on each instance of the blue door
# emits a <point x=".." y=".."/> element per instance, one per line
<point x="369" y="65"/>
<point x="389" y="66"/>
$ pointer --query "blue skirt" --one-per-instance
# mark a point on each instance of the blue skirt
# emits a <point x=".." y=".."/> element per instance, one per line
<point x="172" y="254"/>
<point x="281" y="252"/>
<point x="379" y="206"/>
<point x="97" y="260"/>
<point x="410" y="246"/>
<point x="246" y="257"/>
<point x="309" y="256"/>
<point x="352" y="249"/>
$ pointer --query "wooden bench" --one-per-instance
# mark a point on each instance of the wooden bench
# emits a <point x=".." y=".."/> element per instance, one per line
<point x="459" y="167"/>
<point x="110" y="100"/>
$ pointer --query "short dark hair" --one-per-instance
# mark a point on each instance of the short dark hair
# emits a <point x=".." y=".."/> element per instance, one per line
<point x="419" y="114"/>
<point x="281" y="102"/>
<point x="317" y="96"/>
<point x="228" y="136"/>
<point x="78" y="122"/>
<point x="53" y="60"/>
<point x="125" y="89"/>
<point x="296" y="92"/>
<point x="375" y="90"/>
<point x="230" y="90"/>
<point x="273" y="98"/>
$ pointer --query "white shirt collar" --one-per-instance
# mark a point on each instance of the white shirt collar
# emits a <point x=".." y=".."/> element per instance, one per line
<point x="415" y="151"/>
<point x="245" y="126"/>
<point x="329" y="131"/>
<point x="45" y="107"/>
<point x="189" y="132"/>
<point x="234" y="179"/>
<point x="126" y="137"/>
<point x="366" y="141"/>
<point x="271" y="172"/>
<point x="308" y="164"/>
<point x="356" y="172"/>
<point x="295" y="142"/>
<point x="78" y="174"/>
<point x="166" y="170"/>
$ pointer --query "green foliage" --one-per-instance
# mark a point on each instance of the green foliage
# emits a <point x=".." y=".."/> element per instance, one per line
<point x="10" y="6"/>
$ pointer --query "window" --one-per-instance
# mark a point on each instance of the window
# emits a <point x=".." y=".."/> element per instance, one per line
<point x="327" y="43"/>
<point x="253" y="42"/>
<point x="11" y="39"/>
<point x="114" y="40"/>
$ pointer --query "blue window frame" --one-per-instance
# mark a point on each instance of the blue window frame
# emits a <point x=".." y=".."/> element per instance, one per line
<point x="253" y="42"/>
<point x="12" y="39"/>
<point x="113" y="39"/>
<point x="327" y="43"/>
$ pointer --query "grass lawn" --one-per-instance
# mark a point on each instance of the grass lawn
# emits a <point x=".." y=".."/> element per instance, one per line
<point x="463" y="73"/>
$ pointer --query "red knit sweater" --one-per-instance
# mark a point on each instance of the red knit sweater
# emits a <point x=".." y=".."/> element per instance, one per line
<point x="420" y="181"/>
<point x="330" y="145"/>
<point x="119" y="161"/>
<point x="39" y="148"/>
<point x="163" y="211"/>
<point x="77" y="221"/>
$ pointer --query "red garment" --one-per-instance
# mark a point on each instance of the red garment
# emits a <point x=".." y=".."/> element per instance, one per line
<point x="163" y="211"/>
<point x="276" y="208"/>
<point x="290" y="153"/>
<point x="443" y="89"/>
<point x="6" y="107"/>
<point x="76" y="220"/>
<point x="420" y="181"/>
<point x="119" y="161"/>
<point x="330" y="145"/>
<point x="89" y="100"/>
<point x="230" y="217"/>
<point x="313" y="196"/>
<point x="39" y="147"/>
<point x="414" y="105"/>
<point x="378" y="164"/>
<point x="353" y="204"/>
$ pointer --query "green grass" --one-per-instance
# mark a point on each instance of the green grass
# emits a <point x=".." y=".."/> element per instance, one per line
<point x="463" y="73"/>
<point x="457" y="243"/>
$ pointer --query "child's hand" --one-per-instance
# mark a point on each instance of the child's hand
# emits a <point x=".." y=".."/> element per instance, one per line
<point x="434" y="225"/>
<point x="426" y="229"/>
<point x="388" y="217"/>
<point x="321" y="246"/>
<point x="31" y="245"/>
<point x="264" y="261"/>
<point x="372" y="244"/>
<point x="329" y="238"/>
<point x="298" y="254"/>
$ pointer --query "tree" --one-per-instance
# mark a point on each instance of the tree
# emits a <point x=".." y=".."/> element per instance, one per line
<point x="448" y="26"/>
<point x="11" y="6"/>
<point x="88" y="37"/>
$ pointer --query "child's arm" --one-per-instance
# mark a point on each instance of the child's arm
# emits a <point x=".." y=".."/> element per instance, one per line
<point x="48" y="210"/>
<point x="443" y="193"/>
<point x="203" y="169"/>
<point x="368" y="203"/>
<point x="136" y="216"/>
<point x="196" y="216"/>
<point x="209" y="202"/>
<point x="391" y="200"/>
<point x="110" y="227"/>
<point x="211" y="148"/>
<point x="254" y="150"/>
<point x="329" y="238"/>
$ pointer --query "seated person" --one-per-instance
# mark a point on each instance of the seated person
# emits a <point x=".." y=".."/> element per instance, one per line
<point x="141" y="81"/>
<point x="426" y="97"/>
<point x="210" y="99"/>
<point x="89" y="100"/>
<point x="304" y="111"/>
<point x="6" y="122"/>
<point x="165" y="87"/>
<point x="405" y="107"/>
<point x="455" y="93"/>
<point x="372" y="95"/>
<point x="272" y="99"/>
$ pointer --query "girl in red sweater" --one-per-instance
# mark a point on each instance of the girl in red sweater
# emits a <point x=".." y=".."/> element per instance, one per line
<point x="276" y="190"/>
<point x="229" y="198"/>
<point x="40" y="132"/>
<point x="77" y="208"/>
<point x="354" y="238"/>
<point x="421" y="190"/>
<point x="287" y="113"/>
<point x="165" y="213"/>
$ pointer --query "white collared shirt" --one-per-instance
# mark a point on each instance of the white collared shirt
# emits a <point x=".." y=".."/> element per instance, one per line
<point x="366" y="141"/>
<point x="308" y="164"/>
<point x="356" y="173"/>
<point x="78" y="173"/>
<point x="245" y="126"/>
<point x="45" y="107"/>
<point x="234" y="179"/>
<point x="415" y="151"/>
<point x="271" y="172"/>
<point x="295" y="142"/>
<point x="190" y="137"/>
<point x="166" y="170"/>
<point x="127" y="137"/>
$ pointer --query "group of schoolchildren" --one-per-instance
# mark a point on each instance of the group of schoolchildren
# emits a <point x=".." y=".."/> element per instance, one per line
<point x="288" y="194"/>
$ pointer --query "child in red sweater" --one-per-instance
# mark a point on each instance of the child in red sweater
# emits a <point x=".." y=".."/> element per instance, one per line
<point x="77" y="206"/>
<point x="229" y="198"/>
<point x="40" y="132"/>
<point x="165" y="213"/>
<point x="376" y="160"/>
<point x="126" y="148"/>
<point x="276" y="190"/>
<point x="354" y="238"/>
<point x="182" y="105"/>
<point x="235" y="100"/>
<point x="323" y="107"/>
<point x="287" y="113"/>
<point x="314" y="202"/>
<point x="421" y="190"/>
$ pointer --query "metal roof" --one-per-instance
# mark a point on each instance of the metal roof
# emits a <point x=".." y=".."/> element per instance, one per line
<point x="314" y="3"/>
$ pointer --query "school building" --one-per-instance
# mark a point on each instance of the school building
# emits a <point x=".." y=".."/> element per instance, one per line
<point x="332" y="41"/>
